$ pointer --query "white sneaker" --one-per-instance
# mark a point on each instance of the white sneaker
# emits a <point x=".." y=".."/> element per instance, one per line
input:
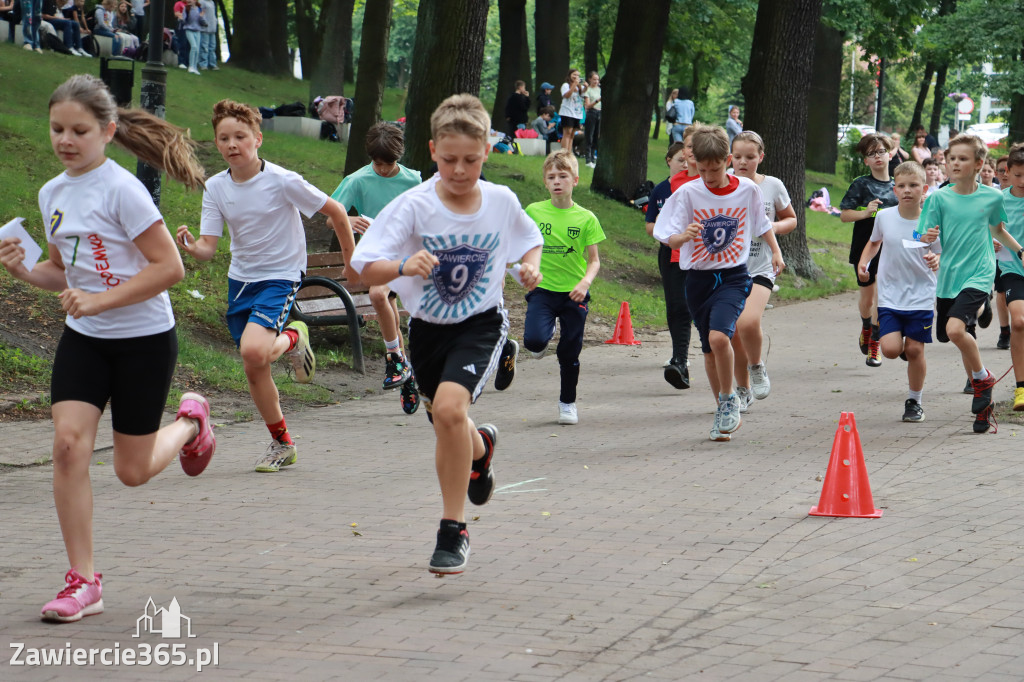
<point x="28" y="47"/>
<point x="729" y="414"/>
<point x="759" y="384"/>
<point x="182" y="66"/>
<point x="539" y="354"/>
<point x="745" y="396"/>
<point x="195" y="71"/>
<point x="567" y="413"/>
<point x="716" y="434"/>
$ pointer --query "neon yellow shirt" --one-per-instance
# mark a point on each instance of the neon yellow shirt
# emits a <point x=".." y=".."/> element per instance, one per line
<point x="567" y="233"/>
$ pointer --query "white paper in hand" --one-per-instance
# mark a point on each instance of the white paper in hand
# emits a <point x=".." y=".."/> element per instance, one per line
<point x="14" y="229"/>
<point x="911" y="244"/>
<point x="514" y="273"/>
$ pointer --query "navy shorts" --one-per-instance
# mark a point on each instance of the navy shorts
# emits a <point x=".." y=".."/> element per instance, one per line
<point x="716" y="299"/>
<point x="266" y="303"/>
<point x="913" y="324"/>
<point x="133" y="375"/>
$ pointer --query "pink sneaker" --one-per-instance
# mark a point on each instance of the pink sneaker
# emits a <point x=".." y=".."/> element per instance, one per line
<point x="197" y="452"/>
<point x="79" y="598"/>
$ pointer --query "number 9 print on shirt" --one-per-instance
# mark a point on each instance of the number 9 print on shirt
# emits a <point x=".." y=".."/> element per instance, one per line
<point x="460" y="280"/>
<point x="722" y="235"/>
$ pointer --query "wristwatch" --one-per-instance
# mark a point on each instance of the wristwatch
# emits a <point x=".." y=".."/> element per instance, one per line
<point x="1020" y="252"/>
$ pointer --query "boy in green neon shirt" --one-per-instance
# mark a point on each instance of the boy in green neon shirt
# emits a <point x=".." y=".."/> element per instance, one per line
<point x="569" y="263"/>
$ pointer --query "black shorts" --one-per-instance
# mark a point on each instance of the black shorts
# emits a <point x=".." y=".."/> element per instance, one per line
<point x="715" y="299"/>
<point x="465" y="353"/>
<point x="999" y="286"/>
<point x="872" y="272"/>
<point x="763" y="281"/>
<point x="569" y="122"/>
<point x="1013" y="285"/>
<point x="134" y="375"/>
<point x="964" y="307"/>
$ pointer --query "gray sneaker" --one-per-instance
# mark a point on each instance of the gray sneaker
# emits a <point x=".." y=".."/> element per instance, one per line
<point x="759" y="384"/>
<point x="277" y="455"/>
<point x="745" y="396"/>
<point x="729" y="414"/>
<point x="716" y="434"/>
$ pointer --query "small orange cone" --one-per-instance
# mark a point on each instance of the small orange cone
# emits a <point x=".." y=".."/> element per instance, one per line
<point x="623" y="335"/>
<point x="846" y="491"/>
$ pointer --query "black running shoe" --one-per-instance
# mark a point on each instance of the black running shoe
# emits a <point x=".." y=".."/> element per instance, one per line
<point x="863" y="340"/>
<point x="969" y="387"/>
<point x="912" y="411"/>
<point x="481" y="478"/>
<point x="677" y="374"/>
<point x="397" y="371"/>
<point x="410" y="396"/>
<point x="506" y="365"/>
<point x="984" y="420"/>
<point x="1004" y="341"/>
<point x="982" y="393"/>
<point x="451" y="554"/>
<point x="985" y="319"/>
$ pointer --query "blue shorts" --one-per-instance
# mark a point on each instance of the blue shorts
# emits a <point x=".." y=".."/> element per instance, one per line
<point x="913" y="324"/>
<point x="266" y="303"/>
<point x="716" y="299"/>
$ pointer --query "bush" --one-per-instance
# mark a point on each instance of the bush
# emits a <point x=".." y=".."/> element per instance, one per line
<point x="851" y="162"/>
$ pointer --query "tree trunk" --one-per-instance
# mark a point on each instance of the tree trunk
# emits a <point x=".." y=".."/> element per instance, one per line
<point x="1015" y="121"/>
<point x="823" y="112"/>
<point x="922" y="97"/>
<point x="551" y="43"/>
<point x="373" y="69"/>
<point x="592" y="37"/>
<point x="775" y="90"/>
<point x="256" y="46"/>
<point x="627" y="89"/>
<point x="449" y="49"/>
<point x="940" y="99"/>
<point x="328" y="76"/>
<point x="222" y="12"/>
<point x="512" y="25"/>
<point x="306" y="34"/>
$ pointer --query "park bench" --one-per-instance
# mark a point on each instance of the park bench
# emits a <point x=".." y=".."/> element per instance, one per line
<point x="326" y="298"/>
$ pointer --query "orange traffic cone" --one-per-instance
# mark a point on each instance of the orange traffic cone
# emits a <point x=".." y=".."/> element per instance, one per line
<point x="846" y="491"/>
<point x="623" y="335"/>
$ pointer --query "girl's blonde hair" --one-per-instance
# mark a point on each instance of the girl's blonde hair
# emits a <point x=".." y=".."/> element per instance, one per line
<point x="751" y="137"/>
<point x="152" y="140"/>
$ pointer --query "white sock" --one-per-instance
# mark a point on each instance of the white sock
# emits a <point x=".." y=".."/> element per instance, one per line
<point x="393" y="345"/>
<point x="978" y="376"/>
<point x="915" y="395"/>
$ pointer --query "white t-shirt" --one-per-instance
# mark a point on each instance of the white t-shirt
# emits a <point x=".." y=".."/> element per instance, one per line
<point x="572" y="106"/>
<point x="731" y="217"/>
<point x="776" y="198"/>
<point x="473" y="249"/>
<point x="93" y="220"/>
<point x="262" y="214"/>
<point x="904" y="281"/>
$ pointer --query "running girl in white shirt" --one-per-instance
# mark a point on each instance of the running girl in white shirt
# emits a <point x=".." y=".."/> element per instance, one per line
<point x="751" y="374"/>
<point x="112" y="259"/>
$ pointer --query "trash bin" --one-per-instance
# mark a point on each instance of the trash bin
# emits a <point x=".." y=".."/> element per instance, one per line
<point x="119" y="79"/>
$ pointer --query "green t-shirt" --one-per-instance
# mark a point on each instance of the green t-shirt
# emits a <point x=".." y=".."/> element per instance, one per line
<point x="567" y="233"/>
<point x="1014" y="207"/>
<point x="968" y="259"/>
<point x="369" y="193"/>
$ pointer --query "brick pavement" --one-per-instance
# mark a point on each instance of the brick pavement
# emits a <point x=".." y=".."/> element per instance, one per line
<point x="627" y="547"/>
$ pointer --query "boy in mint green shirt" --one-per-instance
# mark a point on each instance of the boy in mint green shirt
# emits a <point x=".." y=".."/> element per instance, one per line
<point x="969" y="216"/>
<point x="1013" y="270"/>
<point x="369" y="190"/>
<point x="569" y="263"/>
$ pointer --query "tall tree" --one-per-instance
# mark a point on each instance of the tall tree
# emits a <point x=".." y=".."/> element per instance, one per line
<point x="373" y="70"/>
<point x="627" y="89"/>
<point x="551" y="42"/>
<point x="306" y="34"/>
<point x="328" y="77"/>
<point x="592" y="37"/>
<point x="449" y="49"/>
<point x="939" y="99"/>
<point x="775" y="90"/>
<point x="514" y="55"/>
<point x="823" y="120"/>
<point x="922" y="96"/>
<point x="259" y="43"/>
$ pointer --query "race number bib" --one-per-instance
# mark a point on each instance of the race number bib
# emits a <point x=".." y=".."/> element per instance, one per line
<point x="719" y="232"/>
<point x="459" y="272"/>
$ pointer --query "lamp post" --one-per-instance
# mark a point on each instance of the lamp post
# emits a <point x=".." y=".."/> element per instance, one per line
<point x="153" y="94"/>
<point x="957" y="97"/>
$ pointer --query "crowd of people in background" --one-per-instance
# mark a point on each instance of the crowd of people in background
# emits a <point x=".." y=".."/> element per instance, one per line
<point x="71" y="27"/>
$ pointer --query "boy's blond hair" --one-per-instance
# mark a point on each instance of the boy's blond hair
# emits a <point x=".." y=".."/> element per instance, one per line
<point x="562" y="160"/>
<point x="911" y="168"/>
<point x="976" y="144"/>
<point x="691" y="129"/>
<point x="244" y="113"/>
<point x="710" y="143"/>
<point x="461" y="115"/>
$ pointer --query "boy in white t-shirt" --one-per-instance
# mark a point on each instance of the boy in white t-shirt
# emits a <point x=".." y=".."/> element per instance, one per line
<point x="906" y="281"/>
<point x="260" y="202"/>
<point x="444" y="251"/>
<point x="712" y="222"/>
